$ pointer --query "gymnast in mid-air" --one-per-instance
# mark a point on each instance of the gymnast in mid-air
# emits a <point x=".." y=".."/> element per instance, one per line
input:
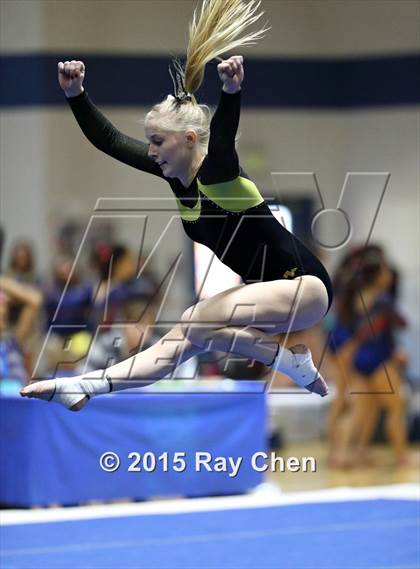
<point x="286" y="288"/>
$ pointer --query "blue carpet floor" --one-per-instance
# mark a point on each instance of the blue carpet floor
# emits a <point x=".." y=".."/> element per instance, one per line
<point x="368" y="534"/>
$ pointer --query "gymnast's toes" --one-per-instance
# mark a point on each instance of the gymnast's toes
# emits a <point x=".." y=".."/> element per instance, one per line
<point x="39" y="389"/>
<point x="47" y="389"/>
<point x="319" y="387"/>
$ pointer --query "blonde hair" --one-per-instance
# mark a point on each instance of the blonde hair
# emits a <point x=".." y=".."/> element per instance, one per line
<point x="216" y="28"/>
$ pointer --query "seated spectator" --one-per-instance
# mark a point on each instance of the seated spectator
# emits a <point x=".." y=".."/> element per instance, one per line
<point x="67" y="298"/>
<point x="67" y="302"/>
<point x="118" y="281"/>
<point x="22" y="263"/>
<point x="123" y="309"/>
<point x="22" y="269"/>
<point x="13" y="337"/>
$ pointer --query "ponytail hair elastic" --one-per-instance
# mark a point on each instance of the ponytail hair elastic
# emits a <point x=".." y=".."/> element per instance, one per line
<point x="177" y="74"/>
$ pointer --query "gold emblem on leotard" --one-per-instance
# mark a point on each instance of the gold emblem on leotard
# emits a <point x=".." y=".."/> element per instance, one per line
<point x="290" y="274"/>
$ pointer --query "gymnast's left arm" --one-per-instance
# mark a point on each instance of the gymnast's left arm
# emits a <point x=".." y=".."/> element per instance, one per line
<point x="222" y="159"/>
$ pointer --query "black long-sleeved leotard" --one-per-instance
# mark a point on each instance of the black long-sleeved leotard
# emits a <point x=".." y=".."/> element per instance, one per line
<point x="222" y="208"/>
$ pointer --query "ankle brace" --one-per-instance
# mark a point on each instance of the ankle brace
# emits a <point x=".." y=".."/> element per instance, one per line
<point x="69" y="391"/>
<point x="298" y="367"/>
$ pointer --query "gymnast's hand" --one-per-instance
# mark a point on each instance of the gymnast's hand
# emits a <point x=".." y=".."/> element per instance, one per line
<point x="70" y="76"/>
<point x="231" y="72"/>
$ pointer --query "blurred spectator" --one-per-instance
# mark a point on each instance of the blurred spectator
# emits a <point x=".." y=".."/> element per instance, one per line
<point x="67" y="303"/>
<point x="123" y="311"/>
<point x="119" y="282"/>
<point x="89" y="319"/>
<point x="13" y="367"/>
<point x="342" y="365"/>
<point x="67" y="298"/>
<point x="21" y="268"/>
<point x="22" y="263"/>
<point x="367" y="361"/>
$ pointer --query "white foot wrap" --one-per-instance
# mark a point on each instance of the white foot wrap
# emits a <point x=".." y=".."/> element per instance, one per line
<point x="69" y="391"/>
<point x="298" y="367"/>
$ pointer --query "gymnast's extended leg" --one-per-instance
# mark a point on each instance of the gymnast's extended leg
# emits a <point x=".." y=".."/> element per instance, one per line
<point x="240" y="320"/>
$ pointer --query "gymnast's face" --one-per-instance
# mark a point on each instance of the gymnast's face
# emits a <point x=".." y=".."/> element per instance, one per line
<point x="173" y="151"/>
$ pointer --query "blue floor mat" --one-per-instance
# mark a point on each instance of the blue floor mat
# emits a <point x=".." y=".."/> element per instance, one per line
<point x="368" y="534"/>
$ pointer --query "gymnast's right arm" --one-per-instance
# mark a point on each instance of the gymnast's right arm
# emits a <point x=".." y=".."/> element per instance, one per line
<point x="97" y="127"/>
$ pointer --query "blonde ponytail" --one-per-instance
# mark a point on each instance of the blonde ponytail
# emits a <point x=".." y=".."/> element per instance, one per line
<point x="218" y="27"/>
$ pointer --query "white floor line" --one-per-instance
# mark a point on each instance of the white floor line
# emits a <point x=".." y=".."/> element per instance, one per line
<point x="269" y="497"/>
<point x="215" y="536"/>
